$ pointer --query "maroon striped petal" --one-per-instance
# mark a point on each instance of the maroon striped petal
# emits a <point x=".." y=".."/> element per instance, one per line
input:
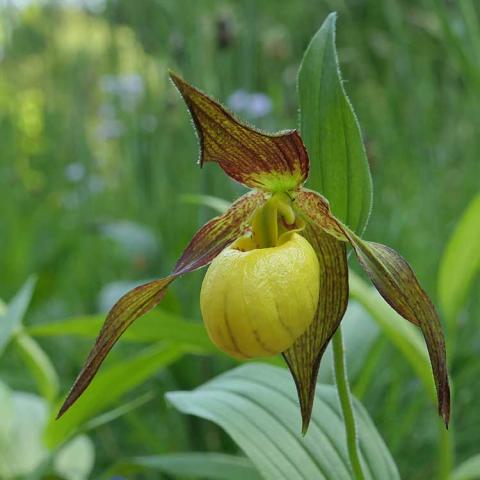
<point x="219" y="232"/>
<point x="304" y="356"/>
<point x="271" y="162"/>
<point x="396" y="282"/>
<point x="398" y="285"/>
<point x="207" y="243"/>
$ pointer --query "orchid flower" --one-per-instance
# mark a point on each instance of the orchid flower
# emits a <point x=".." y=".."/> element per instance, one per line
<point x="278" y="280"/>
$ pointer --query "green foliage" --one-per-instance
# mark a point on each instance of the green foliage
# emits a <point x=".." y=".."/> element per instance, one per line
<point x="107" y="389"/>
<point x="256" y="405"/>
<point x="403" y="335"/>
<point x="11" y="319"/>
<point x="214" y="466"/>
<point x="339" y="166"/>
<point x="22" y="450"/>
<point x="76" y="156"/>
<point x="39" y="365"/>
<point x="460" y="263"/>
<point x="217" y="204"/>
<point x="155" y="326"/>
<point x="468" y="470"/>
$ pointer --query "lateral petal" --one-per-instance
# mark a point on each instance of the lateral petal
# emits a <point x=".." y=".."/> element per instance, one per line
<point x="206" y="244"/>
<point x="304" y="356"/>
<point x="396" y="282"/>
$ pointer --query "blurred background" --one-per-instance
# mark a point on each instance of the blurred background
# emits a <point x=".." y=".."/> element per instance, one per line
<point x="98" y="179"/>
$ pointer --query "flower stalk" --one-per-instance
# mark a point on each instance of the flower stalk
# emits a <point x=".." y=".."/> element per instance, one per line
<point x="345" y="396"/>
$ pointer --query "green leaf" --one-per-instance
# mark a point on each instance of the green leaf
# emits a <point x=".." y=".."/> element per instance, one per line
<point x="403" y="335"/>
<point x="39" y="365"/>
<point x="154" y="326"/>
<point x="257" y="406"/>
<point x="11" y="319"/>
<point x="23" y="418"/>
<point x="215" y="203"/>
<point x="330" y="130"/>
<point x="23" y="453"/>
<point x="75" y="460"/>
<point x="108" y="387"/>
<point x="460" y="263"/>
<point x="117" y="412"/>
<point x="468" y="470"/>
<point x="214" y="466"/>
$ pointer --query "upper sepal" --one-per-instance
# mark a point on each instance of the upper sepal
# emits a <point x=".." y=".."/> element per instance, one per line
<point x="315" y="209"/>
<point x="271" y="162"/>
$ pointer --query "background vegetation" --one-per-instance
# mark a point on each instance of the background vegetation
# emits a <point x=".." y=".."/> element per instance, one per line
<point x="97" y="172"/>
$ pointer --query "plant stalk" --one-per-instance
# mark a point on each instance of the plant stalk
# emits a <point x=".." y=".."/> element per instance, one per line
<point x="446" y="452"/>
<point x="345" y="396"/>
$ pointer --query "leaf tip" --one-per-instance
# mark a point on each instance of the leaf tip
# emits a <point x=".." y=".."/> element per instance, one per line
<point x="332" y="17"/>
<point x="305" y="425"/>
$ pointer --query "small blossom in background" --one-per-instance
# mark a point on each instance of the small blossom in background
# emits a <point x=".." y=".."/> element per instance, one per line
<point x="129" y="88"/>
<point x="250" y="104"/>
<point x="75" y="172"/>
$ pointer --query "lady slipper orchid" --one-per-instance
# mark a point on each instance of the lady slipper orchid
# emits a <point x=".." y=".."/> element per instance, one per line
<point x="278" y="279"/>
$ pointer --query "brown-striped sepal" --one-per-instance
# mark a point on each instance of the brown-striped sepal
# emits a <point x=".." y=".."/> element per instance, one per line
<point x="271" y="162"/>
<point x="315" y="209"/>
<point x="398" y="285"/>
<point x="207" y="243"/>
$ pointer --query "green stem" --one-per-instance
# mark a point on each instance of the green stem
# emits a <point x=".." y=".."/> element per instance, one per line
<point x="344" y="394"/>
<point x="446" y="452"/>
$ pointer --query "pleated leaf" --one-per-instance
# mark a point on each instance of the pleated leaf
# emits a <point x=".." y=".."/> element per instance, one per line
<point x="257" y="406"/>
<point x="468" y="470"/>
<point x="273" y="162"/>
<point x="192" y="465"/>
<point x="304" y="356"/>
<point x="207" y="243"/>
<point x="330" y="130"/>
<point x="398" y="285"/>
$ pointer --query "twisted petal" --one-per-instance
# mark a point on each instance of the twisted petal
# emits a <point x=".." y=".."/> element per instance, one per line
<point x="207" y="243"/>
<point x="304" y="357"/>
<point x="272" y="162"/>
<point x="396" y="282"/>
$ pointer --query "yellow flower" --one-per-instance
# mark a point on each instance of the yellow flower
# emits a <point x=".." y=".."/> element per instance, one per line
<point x="278" y="282"/>
<point x="256" y="302"/>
